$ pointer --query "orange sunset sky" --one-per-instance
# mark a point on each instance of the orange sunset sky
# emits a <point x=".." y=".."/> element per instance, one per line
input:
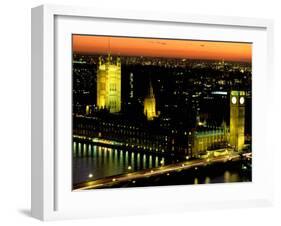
<point x="151" y="47"/>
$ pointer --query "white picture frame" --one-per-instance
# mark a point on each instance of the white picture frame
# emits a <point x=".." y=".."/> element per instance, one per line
<point x="52" y="197"/>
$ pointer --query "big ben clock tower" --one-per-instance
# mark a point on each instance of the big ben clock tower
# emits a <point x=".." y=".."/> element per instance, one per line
<point x="237" y="119"/>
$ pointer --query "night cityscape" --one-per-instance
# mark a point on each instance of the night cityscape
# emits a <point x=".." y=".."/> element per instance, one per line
<point x="158" y="116"/>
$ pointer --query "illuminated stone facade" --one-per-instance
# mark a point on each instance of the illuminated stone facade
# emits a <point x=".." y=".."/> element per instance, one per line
<point x="208" y="139"/>
<point x="150" y="104"/>
<point x="109" y="84"/>
<point x="88" y="109"/>
<point x="237" y="119"/>
<point x="203" y="140"/>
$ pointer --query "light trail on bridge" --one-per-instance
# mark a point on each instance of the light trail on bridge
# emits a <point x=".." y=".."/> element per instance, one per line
<point x="113" y="180"/>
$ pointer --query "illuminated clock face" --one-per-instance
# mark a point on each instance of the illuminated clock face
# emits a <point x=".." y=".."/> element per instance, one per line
<point x="234" y="100"/>
<point x="242" y="100"/>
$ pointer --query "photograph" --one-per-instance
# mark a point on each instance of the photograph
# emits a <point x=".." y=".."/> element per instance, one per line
<point x="159" y="111"/>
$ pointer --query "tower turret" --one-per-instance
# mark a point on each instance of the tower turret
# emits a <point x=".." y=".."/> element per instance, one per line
<point x="150" y="103"/>
<point x="109" y="84"/>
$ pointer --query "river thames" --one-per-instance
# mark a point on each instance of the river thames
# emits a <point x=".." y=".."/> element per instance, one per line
<point x="93" y="162"/>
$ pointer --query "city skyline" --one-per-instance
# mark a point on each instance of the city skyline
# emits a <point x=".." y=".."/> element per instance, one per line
<point x="144" y="120"/>
<point x="166" y="48"/>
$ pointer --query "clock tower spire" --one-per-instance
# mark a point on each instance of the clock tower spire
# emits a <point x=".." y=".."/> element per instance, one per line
<point x="237" y="119"/>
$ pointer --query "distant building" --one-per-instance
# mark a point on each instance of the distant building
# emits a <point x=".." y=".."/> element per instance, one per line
<point x="109" y="84"/>
<point x="144" y="136"/>
<point x="88" y="110"/>
<point x="150" y="104"/>
<point x="131" y="85"/>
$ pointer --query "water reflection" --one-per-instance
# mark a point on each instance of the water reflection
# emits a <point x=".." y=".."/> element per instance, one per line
<point x="99" y="162"/>
<point x="195" y="180"/>
<point x="95" y="162"/>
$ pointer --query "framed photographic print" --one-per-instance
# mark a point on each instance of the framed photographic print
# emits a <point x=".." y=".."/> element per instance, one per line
<point x="137" y="112"/>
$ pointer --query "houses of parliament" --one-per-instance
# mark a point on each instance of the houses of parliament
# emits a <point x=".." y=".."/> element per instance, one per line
<point x="193" y="141"/>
